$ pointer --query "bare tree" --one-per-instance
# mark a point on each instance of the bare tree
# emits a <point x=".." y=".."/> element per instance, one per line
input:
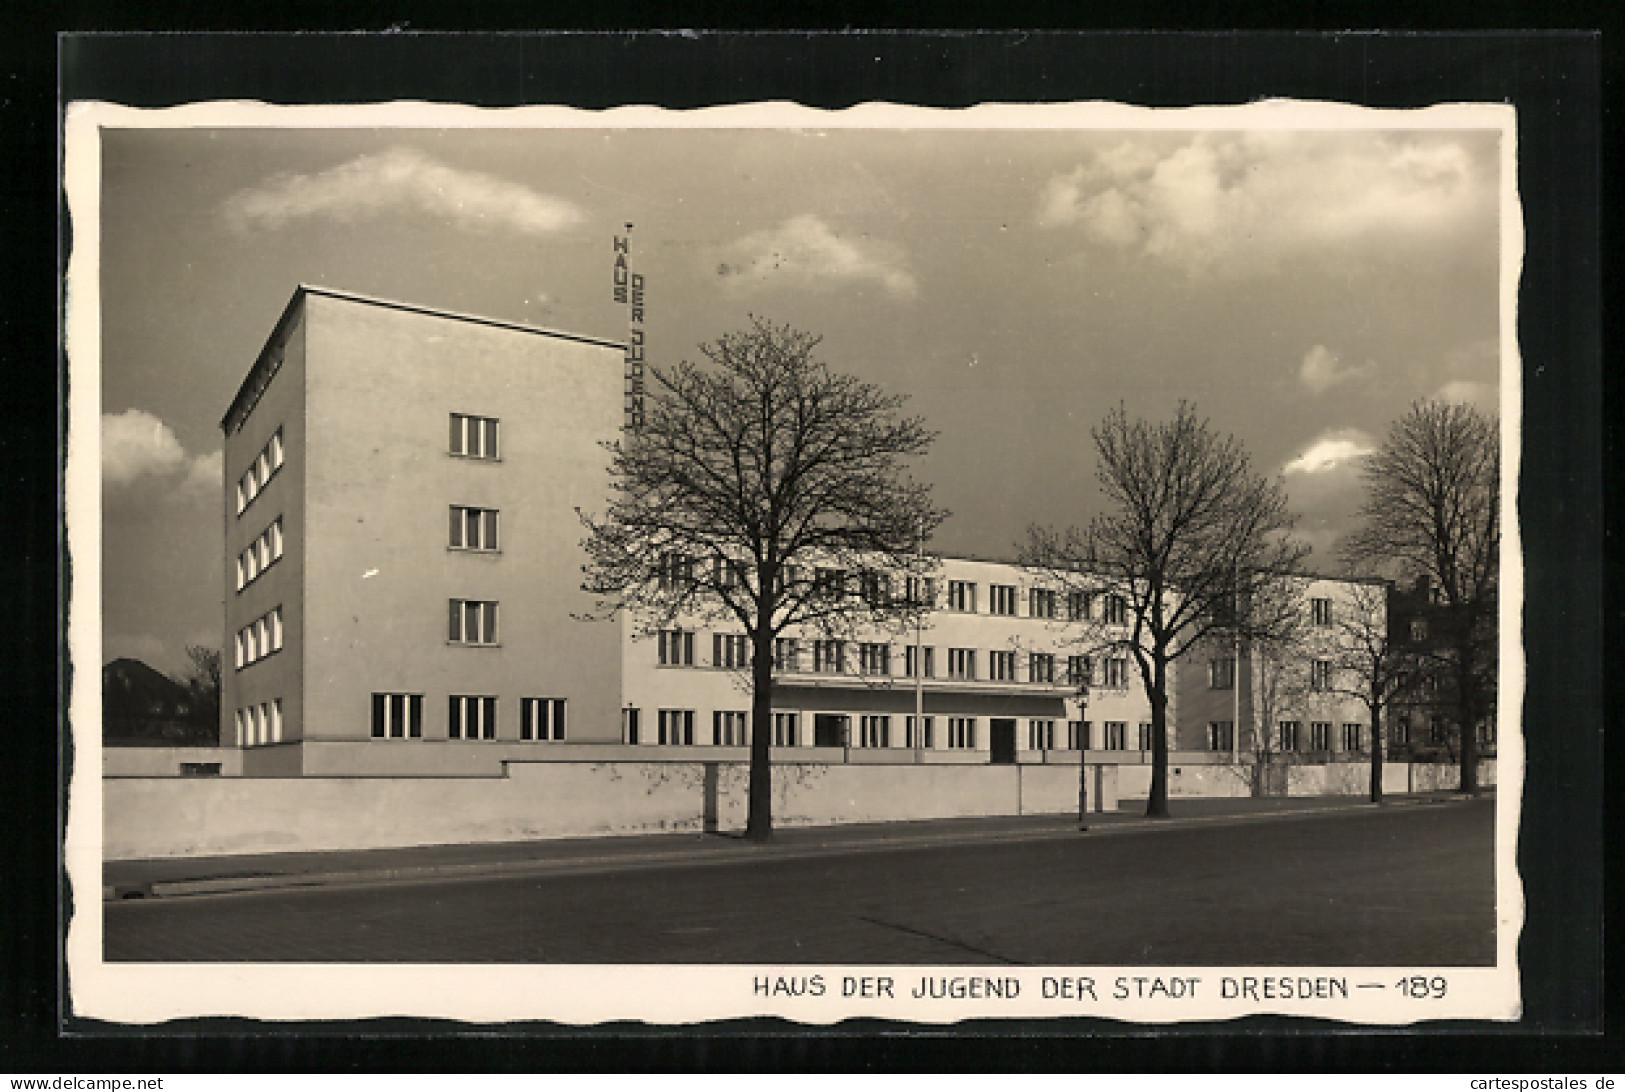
<point x="1369" y="662"/>
<point x="1280" y="682"/>
<point x="202" y="684"/>
<point x="769" y="491"/>
<point x="1432" y="508"/>
<point x="1193" y="536"/>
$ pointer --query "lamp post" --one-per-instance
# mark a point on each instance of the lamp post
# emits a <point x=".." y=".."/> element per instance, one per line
<point x="1083" y="754"/>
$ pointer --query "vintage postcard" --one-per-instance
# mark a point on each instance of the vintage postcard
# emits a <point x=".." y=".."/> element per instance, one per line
<point x="1026" y="562"/>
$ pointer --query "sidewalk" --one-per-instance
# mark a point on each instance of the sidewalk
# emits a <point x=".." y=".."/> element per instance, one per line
<point x="171" y="877"/>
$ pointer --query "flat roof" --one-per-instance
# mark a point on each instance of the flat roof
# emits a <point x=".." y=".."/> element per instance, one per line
<point x="249" y="389"/>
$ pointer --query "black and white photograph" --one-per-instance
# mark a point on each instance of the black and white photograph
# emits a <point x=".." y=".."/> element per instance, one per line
<point x="1024" y="561"/>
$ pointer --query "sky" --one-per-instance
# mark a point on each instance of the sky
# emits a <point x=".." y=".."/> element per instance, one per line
<point x="1301" y="288"/>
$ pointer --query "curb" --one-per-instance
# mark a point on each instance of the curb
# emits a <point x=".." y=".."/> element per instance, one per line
<point x="722" y="854"/>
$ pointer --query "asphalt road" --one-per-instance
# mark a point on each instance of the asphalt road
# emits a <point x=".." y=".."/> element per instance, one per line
<point x="1395" y="886"/>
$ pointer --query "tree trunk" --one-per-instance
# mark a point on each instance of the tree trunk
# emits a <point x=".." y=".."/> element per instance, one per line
<point x="1376" y="754"/>
<point x="1157" y="806"/>
<point x="759" y="823"/>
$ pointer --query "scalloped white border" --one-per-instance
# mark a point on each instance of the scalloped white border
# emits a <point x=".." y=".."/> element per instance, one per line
<point x="666" y="994"/>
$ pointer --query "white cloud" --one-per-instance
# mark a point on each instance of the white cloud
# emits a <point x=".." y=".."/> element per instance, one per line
<point x="1238" y="202"/>
<point x="1482" y="395"/>
<point x="1334" y="450"/>
<point x="805" y="248"/>
<point x="205" y="473"/>
<point x="401" y="180"/>
<point x="1323" y="369"/>
<point x="137" y="446"/>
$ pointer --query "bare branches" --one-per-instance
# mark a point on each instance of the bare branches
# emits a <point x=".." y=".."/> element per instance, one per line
<point x="766" y="489"/>
<point x="1432" y="510"/>
<point x="750" y="474"/>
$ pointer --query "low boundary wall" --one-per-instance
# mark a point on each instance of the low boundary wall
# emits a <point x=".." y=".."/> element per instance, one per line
<point x="148" y="817"/>
<point x="168" y="816"/>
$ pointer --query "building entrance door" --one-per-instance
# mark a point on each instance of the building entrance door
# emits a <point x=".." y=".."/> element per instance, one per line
<point x="829" y="730"/>
<point x="1001" y="740"/>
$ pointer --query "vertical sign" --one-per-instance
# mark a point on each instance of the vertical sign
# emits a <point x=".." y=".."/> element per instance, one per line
<point x="629" y="290"/>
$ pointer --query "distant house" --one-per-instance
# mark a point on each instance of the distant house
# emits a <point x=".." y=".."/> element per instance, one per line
<point x="143" y="706"/>
<point x="1424" y="721"/>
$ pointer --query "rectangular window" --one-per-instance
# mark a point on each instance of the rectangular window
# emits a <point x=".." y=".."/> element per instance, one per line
<point x="1116" y="610"/>
<point x="877" y="589"/>
<point x="874" y="659"/>
<point x="676" y="647"/>
<point x="874" y="731"/>
<point x="727" y="573"/>
<point x="542" y="719"/>
<point x="631" y="723"/>
<point x="1001" y="666"/>
<point x="728" y="729"/>
<point x="729" y="650"/>
<point x="1222" y="673"/>
<point x="676" y="727"/>
<point x="829" y="583"/>
<point x="260" y="472"/>
<point x="829" y="656"/>
<point x="1041" y="602"/>
<point x="1289" y="731"/>
<point x="1077" y="735"/>
<point x="1320" y="612"/>
<point x="472" y="622"/>
<point x="1080" y="671"/>
<point x="1041" y="735"/>
<point x="1146" y="734"/>
<point x="259" y="639"/>
<point x="1320" y="735"/>
<point x="911" y="732"/>
<point x="912" y="657"/>
<point x="1078" y="606"/>
<point x="397" y="716"/>
<point x="1353" y="737"/>
<point x="473" y="528"/>
<point x="1001" y="599"/>
<point x="474" y="437"/>
<point x="962" y="733"/>
<point x="786" y="654"/>
<point x="1419" y="629"/>
<point x="1041" y="667"/>
<point x="922" y="591"/>
<point x="1117" y="673"/>
<point x="1400" y="733"/>
<point x="962" y="663"/>
<point x="471" y="717"/>
<point x="1436" y="729"/>
<point x="962" y="596"/>
<point x="676" y="572"/>
<point x="1320" y="675"/>
<point x="1116" y="735"/>
<point x="785" y="726"/>
<point x="1221" y="735"/>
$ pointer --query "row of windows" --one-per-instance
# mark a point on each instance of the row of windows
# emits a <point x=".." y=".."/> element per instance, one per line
<point x="676" y="727"/>
<point x="264" y="552"/>
<point x="259" y="724"/>
<point x="1002" y="599"/>
<point x="260" y="638"/>
<point x="1222" y="674"/>
<point x="468" y="717"/>
<point x="675" y="648"/>
<point x="258" y="476"/>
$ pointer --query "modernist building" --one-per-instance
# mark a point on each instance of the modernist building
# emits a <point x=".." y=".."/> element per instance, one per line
<point x="403" y="588"/>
